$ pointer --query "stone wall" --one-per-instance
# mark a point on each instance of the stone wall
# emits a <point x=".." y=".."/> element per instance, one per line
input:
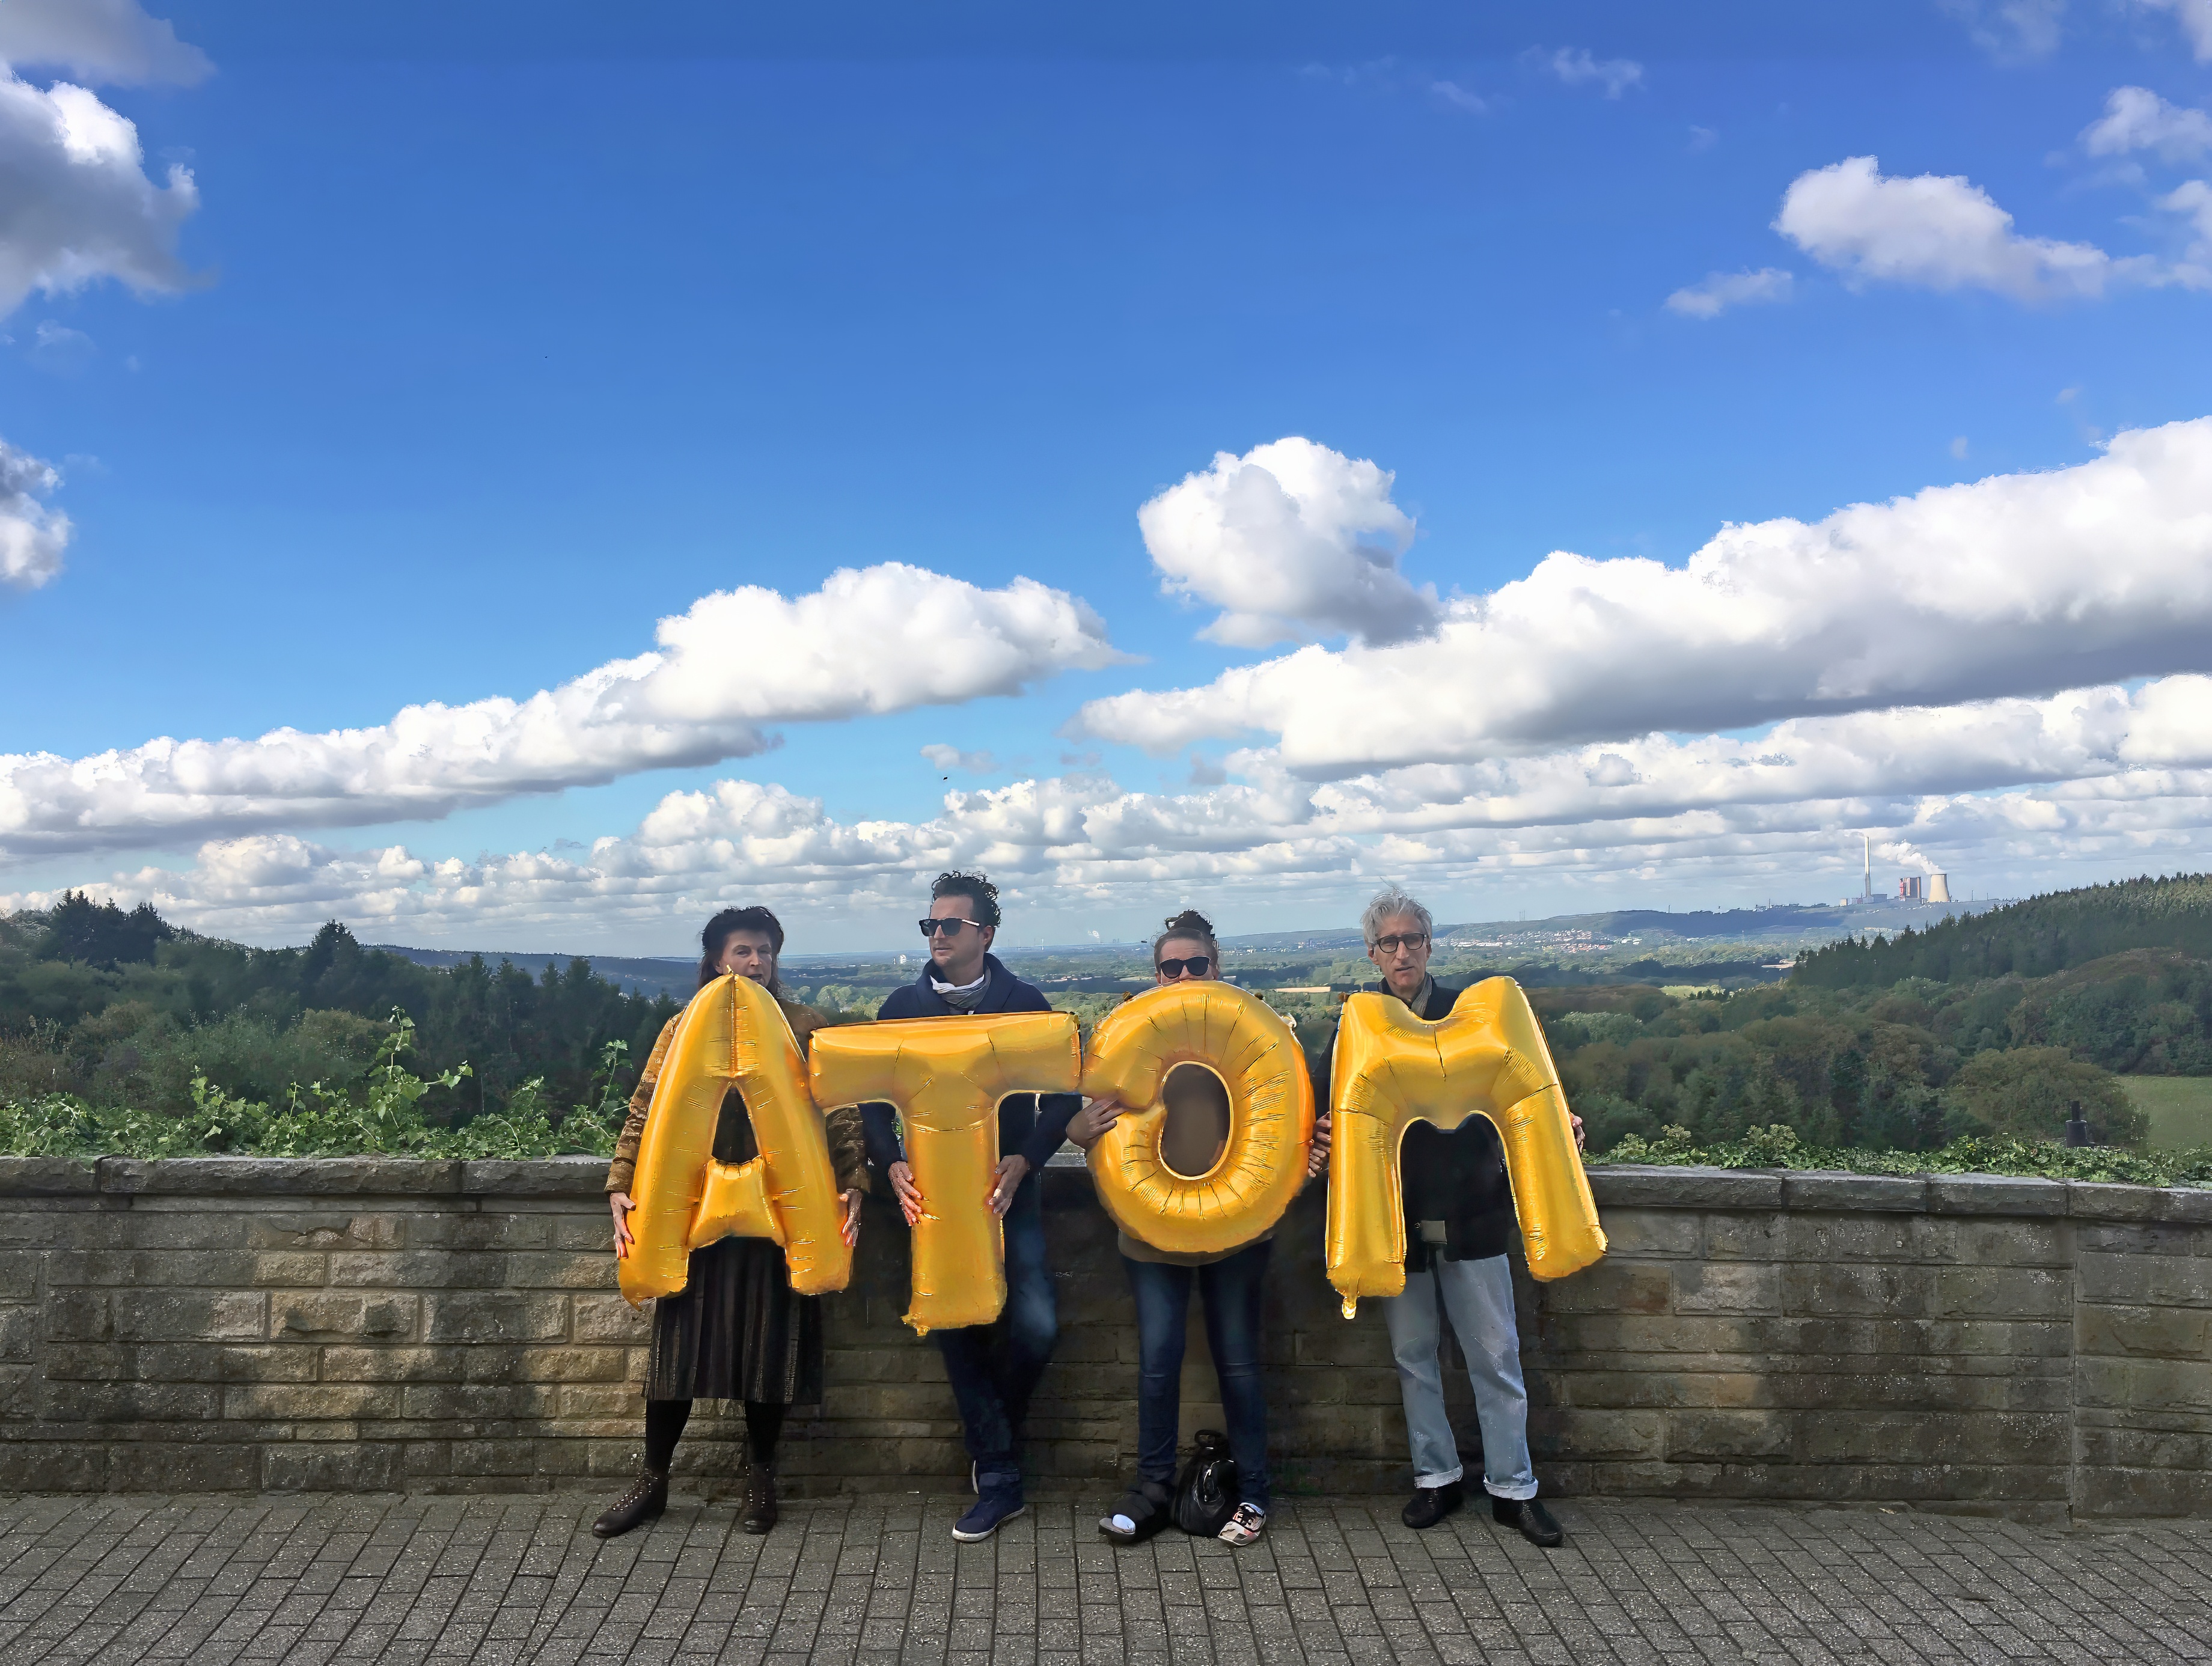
<point x="2035" y="1347"/>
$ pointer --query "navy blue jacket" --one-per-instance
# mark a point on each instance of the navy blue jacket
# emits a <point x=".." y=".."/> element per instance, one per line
<point x="1031" y="1124"/>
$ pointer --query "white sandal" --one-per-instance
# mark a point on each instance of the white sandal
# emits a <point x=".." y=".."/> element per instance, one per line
<point x="1245" y="1526"/>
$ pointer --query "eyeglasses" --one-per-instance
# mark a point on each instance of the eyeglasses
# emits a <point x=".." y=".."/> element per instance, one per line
<point x="1197" y="965"/>
<point x="950" y="927"/>
<point x="1409" y="940"/>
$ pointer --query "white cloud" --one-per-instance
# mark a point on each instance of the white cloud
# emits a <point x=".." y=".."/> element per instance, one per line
<point x="2096" y="774"/>
<point x="2136" y="118"/>
<point x="1722" y="290"/>
<point x="99" y="42"/>
<point x="2011" y="30"/>
<point x="1293" y="540"/>
<point x="1575" y="67"/>
<point x="2016" y="584"/>
<point x="2193" y="18"/>
<point x="2192" y="199"/>
<point x="1459" y="98"/>
<point x="951" y="758"/>
<point x="1938" y="232"/>
<point x="883" y="639"/>
<point x="76" y="204"/>
<point x="32" y="537"/>
<point x="60" y="350"/>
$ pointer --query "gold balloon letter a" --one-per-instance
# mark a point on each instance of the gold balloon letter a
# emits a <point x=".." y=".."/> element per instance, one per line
<point x="946" y="1077"/>
<point x="733" y="1034"/>
<point x="1239" y="1038"/>
<point x="1488" y="1059"/>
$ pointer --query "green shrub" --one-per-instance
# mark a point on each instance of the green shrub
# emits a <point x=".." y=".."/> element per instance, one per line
<point x="1779" y="1147"/>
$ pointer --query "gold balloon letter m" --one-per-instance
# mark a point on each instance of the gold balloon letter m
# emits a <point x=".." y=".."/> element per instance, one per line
<point x="946" y="1077"/>
<point x="1487" y="1058"/>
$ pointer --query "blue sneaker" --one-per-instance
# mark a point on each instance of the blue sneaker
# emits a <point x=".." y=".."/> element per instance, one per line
<point x="999" y="1503"/>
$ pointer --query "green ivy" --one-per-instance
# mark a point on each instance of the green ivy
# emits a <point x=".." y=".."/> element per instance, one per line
<point x="1777" y="1146"/>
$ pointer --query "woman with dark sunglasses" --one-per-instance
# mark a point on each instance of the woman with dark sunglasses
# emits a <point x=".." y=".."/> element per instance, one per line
<point x="1196" y="1133"/>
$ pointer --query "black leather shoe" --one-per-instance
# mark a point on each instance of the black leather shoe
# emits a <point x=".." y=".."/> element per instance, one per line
<point x="1431" y="1505"/>
<point x="646" y="1497"/>
<point x="1534" y="1522"/>
<point x="759" y="1513"/>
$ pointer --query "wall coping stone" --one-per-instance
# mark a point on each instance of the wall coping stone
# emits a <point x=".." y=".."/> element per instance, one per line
<point x="1886" y="1193"/>
<point x="1996" y="1195"/>
<point x="1618" y="1186"/>
<point x="1684" y="1186"/>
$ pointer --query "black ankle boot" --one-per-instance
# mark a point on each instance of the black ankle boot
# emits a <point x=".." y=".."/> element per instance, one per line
<point x="1431" y="1505"/>
<point x="646" y="1497"/>
<point x="1534" y="1522"/>
<point x="759" y="1513"/>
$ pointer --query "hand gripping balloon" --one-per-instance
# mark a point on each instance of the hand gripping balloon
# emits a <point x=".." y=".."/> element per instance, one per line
<point x="1487" y="1058"/>
<point x="733" y="1034"/>
<point x="1238" y="1037"/>
<point x="946" y="1077"/>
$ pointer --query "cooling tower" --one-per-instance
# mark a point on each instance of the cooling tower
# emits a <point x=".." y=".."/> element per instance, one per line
<point x="1939" y="888"/>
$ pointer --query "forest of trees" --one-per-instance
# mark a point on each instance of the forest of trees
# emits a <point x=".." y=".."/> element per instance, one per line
<point x="121" y="1008"/>
<point x="1997" y="1023"/>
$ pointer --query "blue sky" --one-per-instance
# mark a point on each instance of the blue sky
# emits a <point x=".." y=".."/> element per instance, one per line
<point x="492" y="340"/>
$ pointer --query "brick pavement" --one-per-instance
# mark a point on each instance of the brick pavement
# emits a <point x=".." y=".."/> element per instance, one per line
<point x="878" y="1580"/>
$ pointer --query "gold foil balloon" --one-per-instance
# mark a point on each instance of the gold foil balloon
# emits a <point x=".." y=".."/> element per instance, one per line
<point x="1488" y="1059"/>
<point x="946" y="1076"/>
<point x="732" y="1035"/>
<point x="1238" y="1037"/>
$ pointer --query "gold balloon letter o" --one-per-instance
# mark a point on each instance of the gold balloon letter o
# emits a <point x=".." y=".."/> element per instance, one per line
<point x="1239" y="1037"/>
<point x="946" y="1077"/>
<point x="733" y="1034"/>
<point x="1486" y="1058"/>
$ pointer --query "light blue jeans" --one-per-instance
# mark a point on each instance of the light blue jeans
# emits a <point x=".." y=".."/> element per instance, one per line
<point x="1479" y="1297"/>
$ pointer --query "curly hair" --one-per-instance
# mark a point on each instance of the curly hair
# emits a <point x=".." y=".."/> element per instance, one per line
<point x="982" y="895"/>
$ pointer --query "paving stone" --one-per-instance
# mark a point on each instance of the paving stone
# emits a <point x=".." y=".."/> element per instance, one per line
<point x="519" y="1579"/>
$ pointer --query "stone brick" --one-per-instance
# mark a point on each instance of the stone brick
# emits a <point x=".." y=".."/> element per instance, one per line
<point x="335" y="1229"/>
<point x="322" y="1315"/>
<point x="1856" y="1288"/>
<point x="297" y="1177"/>
<point x="354" y="1467"/>
<point x="19" y="1275"/>
<point x="1728" y="1287"/>
<point x="574" y="1365"/>
<point x="494" y="1229"/>
<point x="1651" y="1233"/>
<point x="283" y="1401"/>
<point x="19" y="1333"/>
<point x="1629" y="1185"/>
<point x="2146" y="1280"/>
<point x="2168" y="1333"/>
<point x="611" y="1319"/>
<point x="495" y="1318"/>
<point x="170" y="1466"/>
<point x="1803" y="1189"/>
<point x="2091" y="1201"/>
<point x="1995" y="1194"/>
<point x="47" y="1176"/>
<point x="2024" y="1293"/>
<point x="1613" y="1286"/>
<point x="1692" y="1436"/>
<point x="161" y="1316"/>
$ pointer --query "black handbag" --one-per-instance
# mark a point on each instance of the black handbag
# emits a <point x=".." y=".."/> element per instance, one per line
<point x="1206" y="1495"/>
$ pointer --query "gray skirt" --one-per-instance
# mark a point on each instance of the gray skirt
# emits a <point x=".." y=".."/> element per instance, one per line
<point x="737" y="1331"/>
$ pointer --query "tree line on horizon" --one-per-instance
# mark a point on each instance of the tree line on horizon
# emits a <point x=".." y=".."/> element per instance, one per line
<point x="1994" y="1022"/>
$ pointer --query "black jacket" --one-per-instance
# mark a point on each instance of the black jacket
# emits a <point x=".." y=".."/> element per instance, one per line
<point x="1031" y="1124"/>
<point x="1458" y="1178"/>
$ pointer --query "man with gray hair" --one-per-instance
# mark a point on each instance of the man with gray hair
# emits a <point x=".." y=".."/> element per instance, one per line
<point x="1460" y="1226"/>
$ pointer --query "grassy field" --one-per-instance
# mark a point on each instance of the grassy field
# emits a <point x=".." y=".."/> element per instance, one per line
<point x="2179" y="1109"/>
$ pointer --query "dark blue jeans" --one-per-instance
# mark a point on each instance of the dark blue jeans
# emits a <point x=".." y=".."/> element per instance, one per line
<point x="1231" y="1289"/>
<point x="995" y="1368"/>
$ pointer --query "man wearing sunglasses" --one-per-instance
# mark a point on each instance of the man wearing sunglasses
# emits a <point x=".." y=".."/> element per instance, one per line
<point x="1460" y="1226"/>
<point x="994" y="1368"/>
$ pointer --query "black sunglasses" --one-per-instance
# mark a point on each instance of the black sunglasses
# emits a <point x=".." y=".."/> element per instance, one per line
<point x="950" y="928"/>
<point x="1392" y="944"/>
<point x="1199" y="965"/>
